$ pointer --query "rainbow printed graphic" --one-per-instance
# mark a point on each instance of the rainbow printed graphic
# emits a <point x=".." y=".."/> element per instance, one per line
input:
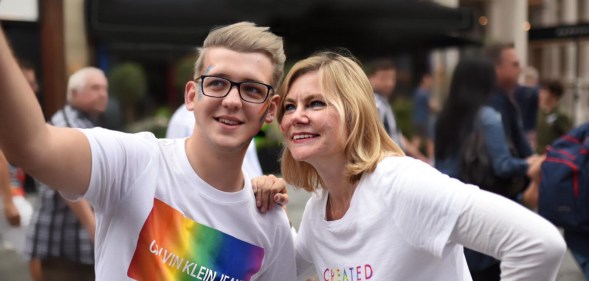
<point x="173" y="247"/>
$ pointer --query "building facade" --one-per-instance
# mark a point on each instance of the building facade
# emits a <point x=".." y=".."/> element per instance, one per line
<point x="549" y="35"/>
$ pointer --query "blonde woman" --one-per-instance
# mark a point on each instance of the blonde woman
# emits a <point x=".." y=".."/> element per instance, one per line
<point x="376" y="214"/>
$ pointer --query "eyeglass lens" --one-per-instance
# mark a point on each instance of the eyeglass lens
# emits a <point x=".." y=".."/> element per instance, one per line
<point x="220" y="87"/>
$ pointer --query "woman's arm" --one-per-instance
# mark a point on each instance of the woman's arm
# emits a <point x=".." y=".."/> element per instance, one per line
<point x="529" y="247"/>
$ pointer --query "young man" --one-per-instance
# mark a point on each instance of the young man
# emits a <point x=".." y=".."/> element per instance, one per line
<point x="169" y="209"/>
<point x="551" y="122"/>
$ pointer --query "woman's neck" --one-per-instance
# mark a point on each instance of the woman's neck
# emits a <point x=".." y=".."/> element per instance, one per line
<point x="339" y="188"/>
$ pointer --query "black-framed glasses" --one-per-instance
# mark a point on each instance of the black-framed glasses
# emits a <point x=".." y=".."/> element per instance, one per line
<point x="219" y="87"/>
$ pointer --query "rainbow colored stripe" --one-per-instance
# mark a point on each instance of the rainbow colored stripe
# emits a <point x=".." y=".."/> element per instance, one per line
<point x="173" y="247"/>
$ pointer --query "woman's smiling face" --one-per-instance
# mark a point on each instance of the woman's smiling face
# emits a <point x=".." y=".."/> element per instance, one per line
<point x="310" y="125"/>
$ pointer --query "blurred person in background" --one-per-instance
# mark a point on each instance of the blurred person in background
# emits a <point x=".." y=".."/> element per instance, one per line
<point x="507" y="70"/>
<point x="20" y="181"/>
<point x="62" y="232"/>
<point x="382" y="75"/>
<point x="16" y="209"/>
<point x="551" y="122"/>
<point x="526" y="96"/>
<point x="465" y="113"/>
<point x="423" y="115"/>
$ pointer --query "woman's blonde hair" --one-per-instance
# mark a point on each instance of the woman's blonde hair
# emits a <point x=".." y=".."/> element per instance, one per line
<point x="245" y="37"/>
<point x="345" y="87"/>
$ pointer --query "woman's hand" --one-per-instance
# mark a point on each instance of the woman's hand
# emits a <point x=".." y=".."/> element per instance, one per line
<point x="269" y="191"/>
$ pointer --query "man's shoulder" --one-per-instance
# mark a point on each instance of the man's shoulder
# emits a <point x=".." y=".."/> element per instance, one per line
<point x="275" y="216"/>
<point x="526" y="92"/>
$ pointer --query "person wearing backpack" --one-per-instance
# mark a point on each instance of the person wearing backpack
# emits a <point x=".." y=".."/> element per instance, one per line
<point x="560" y="190"/>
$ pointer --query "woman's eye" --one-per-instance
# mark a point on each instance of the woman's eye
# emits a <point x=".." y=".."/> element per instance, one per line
<point x="289" y="107"/>
<point x="316" y="104"/>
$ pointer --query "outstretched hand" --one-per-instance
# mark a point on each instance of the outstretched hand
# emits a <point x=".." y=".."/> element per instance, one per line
<point x="269" y="191"/>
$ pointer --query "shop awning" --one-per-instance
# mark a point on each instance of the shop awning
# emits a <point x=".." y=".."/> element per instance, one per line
<point x="362" y="26"/>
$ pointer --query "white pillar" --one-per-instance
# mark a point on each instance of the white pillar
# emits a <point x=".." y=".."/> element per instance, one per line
<point x="583" y="83"/>
<point x="551" y="52"/>
<point x="570" y="16"/>
<point x="583" y="112"/>
<point x="448" y="3"/>
<point x="550" y="13"/>
<point x="506" y="24"/>
<point x="555" y="71"/>
<point x="444" y="61"/>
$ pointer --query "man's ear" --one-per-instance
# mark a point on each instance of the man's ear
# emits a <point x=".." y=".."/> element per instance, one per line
<point x="272" y="108"/>
<point x="75" y="93"/>
<point x="190" y="93"/>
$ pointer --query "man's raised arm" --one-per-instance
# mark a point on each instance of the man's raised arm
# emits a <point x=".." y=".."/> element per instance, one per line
<point x="59" y="157"/>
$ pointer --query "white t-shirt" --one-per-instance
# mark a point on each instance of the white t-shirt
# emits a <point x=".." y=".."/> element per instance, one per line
<point x="407" y="221"/>
<point x="157" y="220"/>
<point x="396" y="228"/>
<point x="182" y="124"/>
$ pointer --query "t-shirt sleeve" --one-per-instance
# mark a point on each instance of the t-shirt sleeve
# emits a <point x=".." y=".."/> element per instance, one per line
<point x="118" y="160"/>
<point x="303" y="259"/>
<point x="281" y="262"/>
<point x="529" y="247"/>
<point x="181" y="124"/>
<point x="424" y="203"/>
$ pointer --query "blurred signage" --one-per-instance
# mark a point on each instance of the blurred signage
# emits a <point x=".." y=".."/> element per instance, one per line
<point x="19" y="10"/>
<point x="559" y="32"/>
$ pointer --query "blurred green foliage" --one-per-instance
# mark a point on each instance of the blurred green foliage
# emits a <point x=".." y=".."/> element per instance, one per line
<point x="128" y="82"/>
<point x="403" y="106"/>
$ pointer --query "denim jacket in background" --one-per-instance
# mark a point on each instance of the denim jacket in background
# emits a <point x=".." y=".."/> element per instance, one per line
<point x="504" y="164"/>
<point x="512" y="122"/>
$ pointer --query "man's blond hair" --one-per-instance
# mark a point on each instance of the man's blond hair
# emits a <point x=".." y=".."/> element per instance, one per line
<point x="246" y="37"/>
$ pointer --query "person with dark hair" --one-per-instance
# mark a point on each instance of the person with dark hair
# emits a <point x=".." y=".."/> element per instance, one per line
<point x="466" y="112"/>
<point x="507" y="70"/>
<point x="551" y="122"/>
<point x="378" y="215"/>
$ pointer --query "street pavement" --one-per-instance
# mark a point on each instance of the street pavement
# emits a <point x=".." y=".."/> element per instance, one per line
<point x="14" y="268"/>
